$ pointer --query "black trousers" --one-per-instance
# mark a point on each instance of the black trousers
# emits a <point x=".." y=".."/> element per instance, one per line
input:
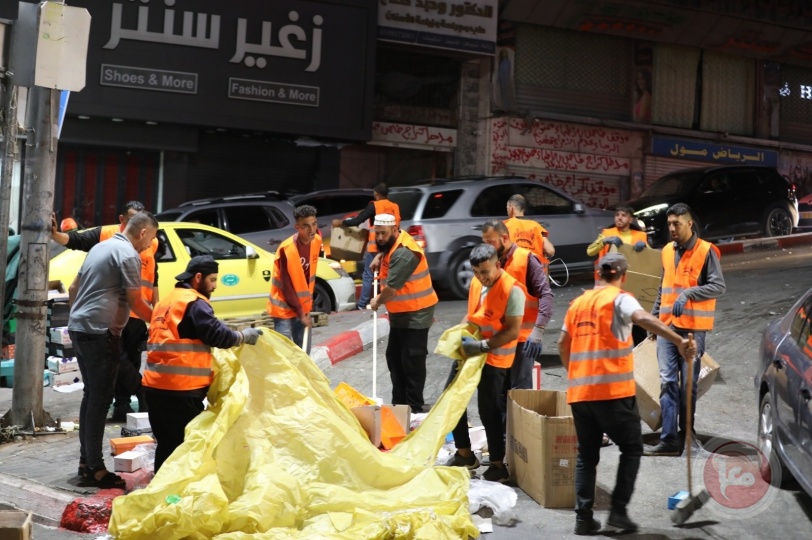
<point x="406" y="355"/>
<point x="128" y="381"/>
<point x="168" y="416"/>
<point x="620" y="420"/>
<point x="489" y="393"/>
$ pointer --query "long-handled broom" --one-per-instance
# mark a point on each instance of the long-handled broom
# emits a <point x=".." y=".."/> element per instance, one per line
<point x="691" y="503"/>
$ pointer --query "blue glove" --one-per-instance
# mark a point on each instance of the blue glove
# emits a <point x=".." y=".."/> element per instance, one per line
<point x="614" y="240"/>
<point x="251" y="335"/>
<point x="472" y="347"/>
<point x="639" y="246"/>
<point x="532" y="347"/>
<point x="679" y="305"/>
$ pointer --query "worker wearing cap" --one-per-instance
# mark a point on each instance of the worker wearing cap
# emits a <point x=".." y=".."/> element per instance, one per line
<point x="596" y="349"/>
<point x="380" y="205"/>
<point x="692" y="281"/>
<point x="179" y="360"/>
<point x="527" y="233"/>
<point x="293" y="279"/>
<point x="409" y="296"/>
<point x="68" y="225"/>
<point x="134" y="335"/>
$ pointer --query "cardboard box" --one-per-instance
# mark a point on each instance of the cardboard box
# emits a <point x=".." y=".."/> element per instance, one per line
<point x="57" y="364"/>
<point x="123" y="444"/>
<point x="61" y="379"/>
<point x="129" y="461"/>
<point x="59" y="335"/>
<point x="647" y="377"/>
<point x="56" y="349"/>
<point x="644" y="274"/>
<point x="542" y="446"/>
<point x="371" y="420"/>
<point x="138" y="421"/>
<point x="348" y="243"/>
<point x="16" y="525"/>
<point x="536" y="376"/>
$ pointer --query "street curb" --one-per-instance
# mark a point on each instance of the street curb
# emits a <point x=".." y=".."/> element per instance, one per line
<point x="44" y="502"/>
<point x="349" y="343"/>
<point x="766" y="244"/>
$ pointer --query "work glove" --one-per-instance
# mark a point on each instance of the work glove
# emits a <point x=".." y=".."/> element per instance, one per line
<point x="473" y="347"/>
<point x="639" y="246"/>
<point x="679" y="305"/>
<point x="532" y="347"/>
<point x="251" y="335"/>
<point x="614" y="240"/>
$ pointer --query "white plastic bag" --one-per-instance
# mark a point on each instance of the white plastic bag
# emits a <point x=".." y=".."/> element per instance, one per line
<point x="498" y="497"/>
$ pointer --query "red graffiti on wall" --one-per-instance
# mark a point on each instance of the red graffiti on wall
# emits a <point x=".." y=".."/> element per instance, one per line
<point x="591" y="191"/>
<point x="566" y="161"/>
<point x="567" y="136"/>
<point x="411" y="133"/>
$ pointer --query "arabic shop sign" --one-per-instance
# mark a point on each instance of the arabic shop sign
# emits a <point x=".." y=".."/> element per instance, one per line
<point x="292" y="66"/>
<point x="468" y="26"/>
<point x="715" y="153"/>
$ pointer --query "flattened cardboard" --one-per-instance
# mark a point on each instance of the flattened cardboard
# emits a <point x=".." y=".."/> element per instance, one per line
<point x="644" y="274"/>
<point x="348" y="243"/>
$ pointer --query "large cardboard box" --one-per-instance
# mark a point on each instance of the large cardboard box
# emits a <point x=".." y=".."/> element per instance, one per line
<point x="374" y="423"/>
<point x="15" y="525"/>
<point x="120" y="445"/>
<point x="348" y="243"/>
<point x="542" y="446"/>
<point x="644" y="274"/>
<point x="647" y="377"/>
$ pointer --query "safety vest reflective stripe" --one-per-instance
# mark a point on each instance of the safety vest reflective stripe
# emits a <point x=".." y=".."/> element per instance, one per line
<point x="383" y="206"/>
<point x="178" y="347"/>
<point x="413" y="296"/>
<point x="697" y="314"/>
<point x="147" y="284"/>
<point x="419" y="275"/>
<point x="279" y="303"/>
<point x="597" y="355"/>
<point x="178" y="370"/>
<point x="417" y="292"/>
<point x="488" y="314"/>
<point x="601" y="379"/>
<point x="277" y="306"/>
<point x="504" y="351"/>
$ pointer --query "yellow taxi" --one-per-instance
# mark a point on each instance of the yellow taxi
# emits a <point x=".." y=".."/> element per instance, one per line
<point x="244" y="279"/>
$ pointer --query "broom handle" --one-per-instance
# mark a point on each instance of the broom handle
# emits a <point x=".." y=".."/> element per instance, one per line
<point x="375" y="338"/>
<point x="688" y="407"/>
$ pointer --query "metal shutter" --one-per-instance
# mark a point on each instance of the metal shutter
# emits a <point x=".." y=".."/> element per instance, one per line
<point x="657" y="167"/>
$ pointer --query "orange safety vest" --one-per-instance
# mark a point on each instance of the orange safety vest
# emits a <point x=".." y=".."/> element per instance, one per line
<point x="637" y="236"/>
<point x="486" y="315"/>
<point x="529" y="234"/>
<point x="417" y="293"/>
<point x="601" y="366"/>
<point x="277" y="307"/>
<point x="383" y="206"/>
<point x="516" y="266"/>
<point x="174" y="363"/>
<point x="148" y="264"/>
<point x="697" y="314"/>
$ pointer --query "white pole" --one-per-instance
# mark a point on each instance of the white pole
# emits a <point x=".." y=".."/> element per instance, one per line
<point x="375" y="340"/>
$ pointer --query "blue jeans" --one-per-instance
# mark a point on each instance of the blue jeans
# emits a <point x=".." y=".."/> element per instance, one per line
<point x="98" y="356"/>
<point x="293" y="329"/>
<point x="366" y="282"/>
<point x="673" y="376"/>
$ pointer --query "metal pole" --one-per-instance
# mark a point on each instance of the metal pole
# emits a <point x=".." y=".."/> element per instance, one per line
<point x="9" y="112"/>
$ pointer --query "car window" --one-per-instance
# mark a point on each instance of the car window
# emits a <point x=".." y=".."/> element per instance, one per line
<point x="407" y="201"/>
<point x="200" y="242"/>
<point x="492" y="201"/>
<point x="799" y="331"/>
<point x="247" y="219"/>
<point x="204" y="217"/>
<point x="542" y="201"/>
<point x="671" y="184"/>
<point x="439" y="203"/>
<point x="715" y="184"/>
<point x="337" y="204"/>
<point x="278" y="219"/>
<point x="744" y="180"/>
<point x="165" y="251"/>
<point x="169" y="215"/>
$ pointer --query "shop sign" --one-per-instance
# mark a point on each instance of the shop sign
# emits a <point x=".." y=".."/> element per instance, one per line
<point x="712" y="152"/>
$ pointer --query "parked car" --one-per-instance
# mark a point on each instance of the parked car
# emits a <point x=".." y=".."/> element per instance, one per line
<point x="726" y="201"/>
<point x="244" y="279"/>
<point x="445" y="217"/>
<point x="805" y="213"/>
<point x="784" y="393"/>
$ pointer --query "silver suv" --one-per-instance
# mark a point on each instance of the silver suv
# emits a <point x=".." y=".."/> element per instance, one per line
<point x="445" y="217"/>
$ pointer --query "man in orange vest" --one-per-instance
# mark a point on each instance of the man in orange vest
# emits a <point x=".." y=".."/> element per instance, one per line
<point x="293" y="279"/>
<point x="380" y="205"/>
<point x="621" y="233"/>
<point x="134" y="335"/>
<point x="596" y="349"/>
<point x="409" y="297"/>
<point x="496" y="308"/>
<point x="692" y="281"/>
<point x="179" y="360"/>
<point x="527" y="233"/>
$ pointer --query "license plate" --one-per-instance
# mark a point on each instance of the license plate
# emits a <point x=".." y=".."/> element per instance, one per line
<point x="806" y="215"/>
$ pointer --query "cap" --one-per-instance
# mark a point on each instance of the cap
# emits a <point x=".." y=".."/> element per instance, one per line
<point x="613" y="263"/>
<point x="204" y="264"/>
<point x="68" y="224"/>
<point x="387" y="220"/>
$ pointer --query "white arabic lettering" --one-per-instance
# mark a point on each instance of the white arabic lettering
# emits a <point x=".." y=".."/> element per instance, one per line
<point x="733" y="478"/>
<point x="285" y="49"/>
<point x="188" y="37"/>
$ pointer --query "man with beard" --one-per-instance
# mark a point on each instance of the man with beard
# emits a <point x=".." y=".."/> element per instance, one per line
<point x="179" y="362"/>
<point x="410" y="299"/>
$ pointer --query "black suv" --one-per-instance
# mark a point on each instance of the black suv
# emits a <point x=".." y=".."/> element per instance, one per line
<point x="726" y="202"/>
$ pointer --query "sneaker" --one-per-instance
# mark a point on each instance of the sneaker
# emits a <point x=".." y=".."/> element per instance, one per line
<point x="457" y="460"/>
<point x="120" y="413"/>
<point x="663" y="449"/>
<point x="496" y="474"/>
<point x="620" y="520"/>
<point x="587" y="526"/>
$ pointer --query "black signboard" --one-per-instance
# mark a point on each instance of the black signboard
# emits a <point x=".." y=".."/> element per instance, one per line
<point x="302" y="67"/>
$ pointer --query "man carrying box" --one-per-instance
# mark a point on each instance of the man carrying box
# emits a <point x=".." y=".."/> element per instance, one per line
<point x="596" y="349"/>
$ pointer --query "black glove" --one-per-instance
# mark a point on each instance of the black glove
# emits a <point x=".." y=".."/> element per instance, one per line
<point x="614" y="240"/>
<point x="639" y="246"/>
<point x="251" y="335"/>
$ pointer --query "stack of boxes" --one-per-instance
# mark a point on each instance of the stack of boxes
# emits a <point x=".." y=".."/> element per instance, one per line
<point x="60" y="362"/>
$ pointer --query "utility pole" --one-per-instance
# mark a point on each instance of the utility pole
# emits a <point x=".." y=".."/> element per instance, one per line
<point x="9" y="126"/>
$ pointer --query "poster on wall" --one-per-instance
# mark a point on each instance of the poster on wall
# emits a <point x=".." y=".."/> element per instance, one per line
<point x="643" y="55"/>
<point x="503" y="87"/>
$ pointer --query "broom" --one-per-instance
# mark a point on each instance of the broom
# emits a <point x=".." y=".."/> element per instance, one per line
<point x="691" y="503"/>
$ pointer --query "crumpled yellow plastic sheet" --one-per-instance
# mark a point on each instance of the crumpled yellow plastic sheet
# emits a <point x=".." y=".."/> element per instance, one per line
<point x="276" y="455"/>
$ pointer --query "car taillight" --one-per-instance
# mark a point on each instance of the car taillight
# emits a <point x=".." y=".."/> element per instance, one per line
<point x="416" y="232"/>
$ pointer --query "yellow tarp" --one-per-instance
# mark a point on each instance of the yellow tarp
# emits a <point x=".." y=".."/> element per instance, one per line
<point x="276" y="455"/>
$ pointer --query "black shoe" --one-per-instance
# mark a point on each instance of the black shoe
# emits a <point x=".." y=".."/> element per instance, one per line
<point x="469" y="462"/>
<point x="663" y="449"/>
<point x="496" y="474"/>
<point x="587" y="526"/>
<point x="120" y="413"/>
<point x="620" y="520"/>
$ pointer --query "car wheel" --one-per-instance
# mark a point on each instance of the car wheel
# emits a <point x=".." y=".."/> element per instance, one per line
<point x="777" y="222"/>
<point x="322" y="298"/>
<point x="770" y="464"/>
<point x="461" y="275"/>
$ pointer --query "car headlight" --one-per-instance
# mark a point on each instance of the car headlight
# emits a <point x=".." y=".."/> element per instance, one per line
<point x="651" y="211"/>
<point x="335" y="265"/>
